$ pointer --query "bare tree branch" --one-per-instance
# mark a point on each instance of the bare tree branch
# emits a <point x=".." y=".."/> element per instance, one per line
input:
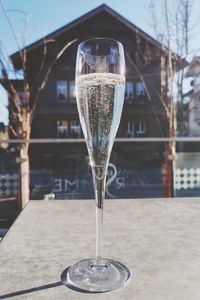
<point x="42" y="84"/>
<point x="12" y="28"/>
<point x="42" y="65"/>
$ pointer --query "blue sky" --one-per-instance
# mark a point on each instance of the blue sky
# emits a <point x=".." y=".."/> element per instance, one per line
<point x="45" y="16"/>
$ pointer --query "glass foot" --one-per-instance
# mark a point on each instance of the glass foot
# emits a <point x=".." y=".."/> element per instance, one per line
<point x="89" y="276"/>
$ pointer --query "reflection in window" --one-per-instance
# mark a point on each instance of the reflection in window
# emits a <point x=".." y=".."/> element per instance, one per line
<point x="61" y="90"/>
<point x="141" y="127"/>
<point x="68" y="129"/>
<point x="75" y="129"/>
<point x="87" y="56"/>
<point x="62" y="129"/>
<point x="113" y="55"/>
<point x="130" y="129"/>
<point x="72" y="95"/>
<point x="129" y="91"/>
<point x="140" y="89"/>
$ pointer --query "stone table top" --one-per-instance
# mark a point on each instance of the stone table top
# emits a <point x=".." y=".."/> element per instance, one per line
<point x="157" y="239"/>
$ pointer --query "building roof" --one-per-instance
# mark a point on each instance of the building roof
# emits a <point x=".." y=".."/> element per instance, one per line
<point x="93" y="13"/>
<point x="68" y="31"/>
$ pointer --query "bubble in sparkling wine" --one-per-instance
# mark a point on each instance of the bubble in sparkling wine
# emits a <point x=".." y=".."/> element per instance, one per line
<point x="100" y="98"/>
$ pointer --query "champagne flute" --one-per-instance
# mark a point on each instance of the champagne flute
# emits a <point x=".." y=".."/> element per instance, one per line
<point x="100" y="85"/>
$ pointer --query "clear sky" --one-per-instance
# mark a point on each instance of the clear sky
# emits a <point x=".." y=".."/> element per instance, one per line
<point x="45" y="16"/>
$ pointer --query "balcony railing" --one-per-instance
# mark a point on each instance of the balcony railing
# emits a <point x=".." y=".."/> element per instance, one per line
<point x="134" y="175"/>
<point x="138" y="168"/>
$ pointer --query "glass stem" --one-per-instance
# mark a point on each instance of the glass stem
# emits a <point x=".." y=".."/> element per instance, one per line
<point x="99" y="177"/>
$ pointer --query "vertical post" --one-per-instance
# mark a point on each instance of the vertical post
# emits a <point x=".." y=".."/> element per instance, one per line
<point x="24" y="173"/>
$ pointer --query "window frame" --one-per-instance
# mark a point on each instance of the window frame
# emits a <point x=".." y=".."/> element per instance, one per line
<point x="138" y="91"/>
<point x="139" y="95"/>
<point x="72" y="128"/>
<point x="69" y="94"/>
<point x="141" y="127"/>
<point x="71" y="98"/>
<point x="65" y="95"/>
<point x="129" y="100"/>
<point x="130" y="128"/>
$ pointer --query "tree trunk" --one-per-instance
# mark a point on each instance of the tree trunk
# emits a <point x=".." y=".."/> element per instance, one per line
<point x="25" y="176"/>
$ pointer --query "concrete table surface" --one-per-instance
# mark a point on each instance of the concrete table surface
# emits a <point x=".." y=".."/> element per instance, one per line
<point x="159" y="240"/>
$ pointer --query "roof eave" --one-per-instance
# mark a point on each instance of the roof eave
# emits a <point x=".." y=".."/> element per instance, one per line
<point x="83" y="18"/>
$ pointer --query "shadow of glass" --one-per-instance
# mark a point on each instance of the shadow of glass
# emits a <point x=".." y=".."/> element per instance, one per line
<point x="32" y="290"/>
<point x="48" y="286"/>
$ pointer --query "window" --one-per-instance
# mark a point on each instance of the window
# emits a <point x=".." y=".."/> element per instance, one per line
<point x="134" y="91"/>
<point x="61" y="90"/>
<point x="62" y="129"/>
<point x="140" y="89"/>
<point x="141" y="127"/>
<point x="72" y="96"/>
<point x="65" y="91"/>
<point x="130" y="129"/>
<point x="129" y="91"/>
<point x="75" y="129"/>
<point x="88" y="57"/>
<point x="113" y="55"/>
<point x="135" y="128"/>
<point x="68" y="129"/>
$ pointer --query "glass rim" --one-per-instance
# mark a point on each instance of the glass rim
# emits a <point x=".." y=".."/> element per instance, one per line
<point x="100" y="38"/>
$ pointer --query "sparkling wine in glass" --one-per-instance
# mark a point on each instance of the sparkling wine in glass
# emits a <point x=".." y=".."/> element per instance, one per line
<point x="100" y="86"/>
